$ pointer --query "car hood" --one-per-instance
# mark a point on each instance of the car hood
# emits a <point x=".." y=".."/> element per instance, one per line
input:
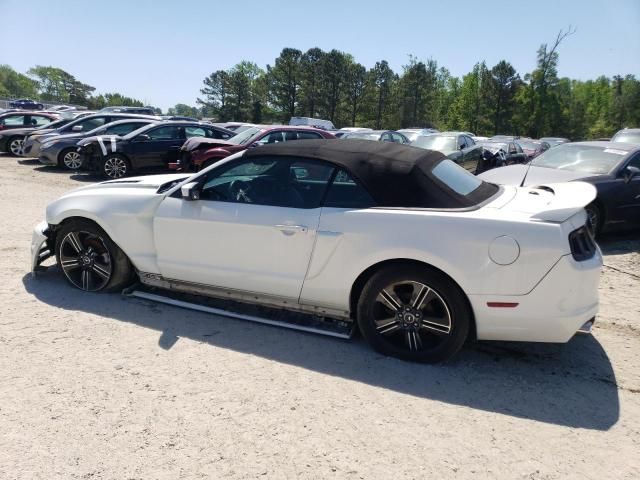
<point x="514" y="174"/>
<point x="68" y="136"/>
<point x="197" y="143"/>
<point x="147" y="182"/>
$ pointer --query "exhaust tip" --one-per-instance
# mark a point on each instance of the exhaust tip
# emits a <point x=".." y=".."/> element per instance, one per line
<point x="586" y="328"/>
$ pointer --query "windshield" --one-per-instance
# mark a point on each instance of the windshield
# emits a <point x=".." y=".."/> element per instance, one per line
<point x="436" y="142"/>
<point x="364" y="135"/>
<point x="529" y="145"/>
<point x="627" y="137"/>
<point x="56" y="124"/>
<point x="245" y="137"/>
<point x="581" y="158"/>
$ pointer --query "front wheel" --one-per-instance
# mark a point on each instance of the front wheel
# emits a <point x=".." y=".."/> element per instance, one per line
<point x="413" y="313"/>
<point x="70" y="159"/>
<point x="115" y="166"/>
<point x="15" y="145"/>
<point x="89" y="259"/>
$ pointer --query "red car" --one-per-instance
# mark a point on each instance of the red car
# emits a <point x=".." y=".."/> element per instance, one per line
<point x="198" y="153"/>
<point x="532" y="148"/>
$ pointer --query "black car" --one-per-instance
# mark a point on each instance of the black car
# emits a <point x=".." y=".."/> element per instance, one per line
<point x="500" y="154"/>
<point x="613" y="168"/>
<point x="458" y="146"/>
<point x="26" y="104"/>
<point x="154" y="146"/>
<point x="62" y="150"/>
<point x="32" y="143"/>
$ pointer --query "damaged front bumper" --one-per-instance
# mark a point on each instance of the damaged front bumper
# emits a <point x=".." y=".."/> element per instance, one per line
<point x="40" y="246"/>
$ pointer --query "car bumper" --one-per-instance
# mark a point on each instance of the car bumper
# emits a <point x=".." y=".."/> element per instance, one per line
<point x="40" y="248"/>
<point x="48" y="157"/>
<point x="31" y="148"/>
<point x="562" y="302"/>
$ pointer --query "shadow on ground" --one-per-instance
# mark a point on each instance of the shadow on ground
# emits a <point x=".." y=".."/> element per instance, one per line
<point x="570" y="385"/>
<point x="620" y="243"/>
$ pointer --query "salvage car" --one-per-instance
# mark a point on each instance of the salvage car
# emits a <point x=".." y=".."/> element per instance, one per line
<point x="152" y="146"/>
<point x="458" y="146"/>
<point x="612" y="168"/>
<point x="31" y="145"/>
<point x="627" y="135"/>
<point x="532" y="148"/>
<point x="11" y="141"/>
<point x="344" y="230"/>
<point x="198" y="153"/>
<point x="62" y="150"/>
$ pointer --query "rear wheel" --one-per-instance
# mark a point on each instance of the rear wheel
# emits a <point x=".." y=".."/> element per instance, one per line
<point x="89" y="259"/>
<point x="596" y="218"/>
<point x="14" y="145"/>
<point x="115" y="166"/>
<point x="413" y="313"/>
<point x="70" y="158"/>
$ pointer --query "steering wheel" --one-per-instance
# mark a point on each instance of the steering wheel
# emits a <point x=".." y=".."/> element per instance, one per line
<point x="239" y="190"/>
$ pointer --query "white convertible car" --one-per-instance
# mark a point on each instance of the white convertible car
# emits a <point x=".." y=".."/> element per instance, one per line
<point x="400" y="241"/>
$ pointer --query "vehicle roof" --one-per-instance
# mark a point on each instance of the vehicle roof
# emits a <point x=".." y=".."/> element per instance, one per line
<point x="627" y="147"/>
<point x="628" y="130"/>
<point x="395" y="175"/>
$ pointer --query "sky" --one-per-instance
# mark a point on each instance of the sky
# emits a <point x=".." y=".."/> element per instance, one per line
<point x="160" y="51"/>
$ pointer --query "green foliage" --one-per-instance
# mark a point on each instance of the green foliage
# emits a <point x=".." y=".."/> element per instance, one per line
<point x="332" y="85"/>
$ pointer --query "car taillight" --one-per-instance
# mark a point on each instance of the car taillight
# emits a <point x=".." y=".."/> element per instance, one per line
<point x="583" y="246"/>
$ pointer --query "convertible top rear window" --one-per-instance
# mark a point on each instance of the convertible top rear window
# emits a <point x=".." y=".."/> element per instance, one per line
<point x="457" y="179"/>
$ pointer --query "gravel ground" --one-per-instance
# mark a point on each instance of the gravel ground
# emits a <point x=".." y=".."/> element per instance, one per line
<point x="103" y="387"/>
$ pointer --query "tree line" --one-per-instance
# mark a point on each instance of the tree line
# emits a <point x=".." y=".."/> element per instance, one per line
<point x="51" y="84"/>
<point x="333" y="85"/>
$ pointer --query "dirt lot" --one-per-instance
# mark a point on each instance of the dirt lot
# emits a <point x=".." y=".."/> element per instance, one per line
<point x="103" y="387"/>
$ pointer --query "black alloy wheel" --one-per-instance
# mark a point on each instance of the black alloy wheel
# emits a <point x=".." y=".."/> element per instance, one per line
<point x="414" y="313"/>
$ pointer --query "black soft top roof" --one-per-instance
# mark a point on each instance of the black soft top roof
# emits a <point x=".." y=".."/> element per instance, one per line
<point x="395" y="175"/>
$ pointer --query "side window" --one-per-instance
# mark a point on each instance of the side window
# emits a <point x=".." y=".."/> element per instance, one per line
<point x="277" y="181"/>
<point x="635" y="162"/>
<point x="165" y="133"/>
<point x="344" y="192"/>
<point x="461" y="143"/>
<point x="38" y="120"/>
<point x="273" y="137"/>
<point x="470" y="142"/>
<point x="397" y="138"/>
<point x="308" y="136"/>
<point x="124" y="128"/>
<point x="195" y="132"/>
<point x="90" y="124"/>
<point x="386" y="137"/>
<point x="13" y="120"/>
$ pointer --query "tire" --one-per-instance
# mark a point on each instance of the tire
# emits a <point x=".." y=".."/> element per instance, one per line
<point x="115" y="166"/>
<point x="89" y="259"/>
<point x="416" y="294"/>
<point x="596" y="218"/>
<point x="70" y="159"/>
<point x="14" y="145"/>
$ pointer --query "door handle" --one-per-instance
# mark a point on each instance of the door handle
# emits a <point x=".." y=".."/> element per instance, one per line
<point x="290" y="229"/>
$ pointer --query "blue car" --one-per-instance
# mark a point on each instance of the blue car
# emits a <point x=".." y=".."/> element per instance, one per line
<point x="26" y="104"/>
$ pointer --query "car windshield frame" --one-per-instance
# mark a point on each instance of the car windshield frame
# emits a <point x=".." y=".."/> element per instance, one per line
<point x="553" y="158"/>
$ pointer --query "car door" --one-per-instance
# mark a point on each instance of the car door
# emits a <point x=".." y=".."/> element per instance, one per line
<point x="628" y="199"/>
<point x="9" y="122"/>
<point x="469" y="159"/>
<point x="157" y="147"/>
<point x="252" y="230"/>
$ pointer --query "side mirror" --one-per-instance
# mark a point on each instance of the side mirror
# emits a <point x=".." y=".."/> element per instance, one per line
<point x="191" y="191"/>
<point x="143" y="137"/>
<point x="254" y="145"/>
<point x="630" y="172"/>
<point x="76" y="128"/>
<point x="460" y="147"/>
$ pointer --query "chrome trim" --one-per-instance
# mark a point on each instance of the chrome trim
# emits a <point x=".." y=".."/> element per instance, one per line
<point x="157" y="280"/>
<point x="225" y="313"/>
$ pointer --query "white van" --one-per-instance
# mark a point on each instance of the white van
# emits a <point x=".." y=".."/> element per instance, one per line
<point x="312" y="122"/>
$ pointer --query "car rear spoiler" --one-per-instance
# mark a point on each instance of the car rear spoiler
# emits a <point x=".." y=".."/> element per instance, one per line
<point x="568" y="199"/>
